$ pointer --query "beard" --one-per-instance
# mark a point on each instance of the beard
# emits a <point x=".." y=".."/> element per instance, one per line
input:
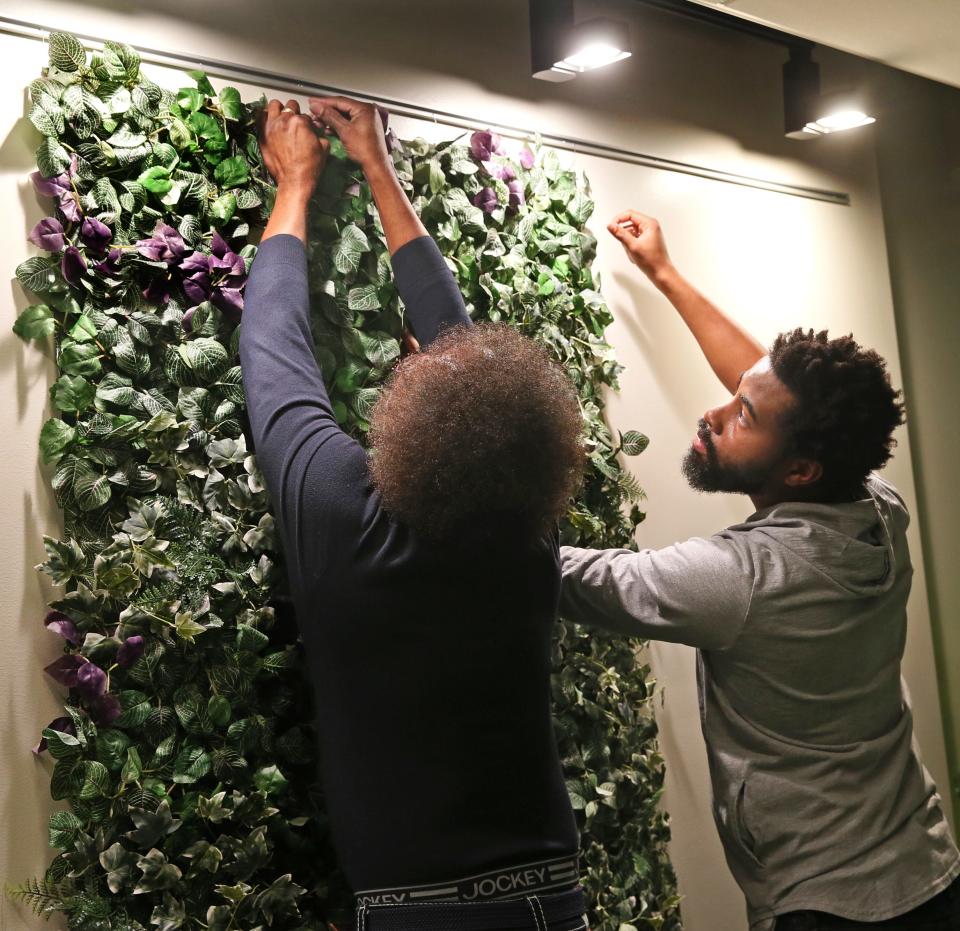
<point x="704" y="472"/>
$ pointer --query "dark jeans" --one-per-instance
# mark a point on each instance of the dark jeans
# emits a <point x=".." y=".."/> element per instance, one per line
<point x="941" y="913"/>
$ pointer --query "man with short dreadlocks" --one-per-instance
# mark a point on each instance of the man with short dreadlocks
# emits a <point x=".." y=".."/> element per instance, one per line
<point x="827" y="816"/>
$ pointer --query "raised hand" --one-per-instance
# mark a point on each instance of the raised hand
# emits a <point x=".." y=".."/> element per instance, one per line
<point x="358" y="125"/>
<point x="642" y="240"/>
<point x="292" y="151"/>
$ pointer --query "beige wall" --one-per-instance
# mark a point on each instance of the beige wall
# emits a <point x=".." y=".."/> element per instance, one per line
<point x="690" y="93"/>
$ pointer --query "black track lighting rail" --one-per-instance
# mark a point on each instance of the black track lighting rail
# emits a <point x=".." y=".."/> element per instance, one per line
<point x="295" y="85"/>
<point x="713" y="17"/>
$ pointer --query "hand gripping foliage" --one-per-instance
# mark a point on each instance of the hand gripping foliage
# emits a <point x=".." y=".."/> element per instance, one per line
<point x="184" y="753"/>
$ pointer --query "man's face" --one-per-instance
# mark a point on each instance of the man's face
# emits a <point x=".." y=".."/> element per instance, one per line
<point x="739" y="447"/>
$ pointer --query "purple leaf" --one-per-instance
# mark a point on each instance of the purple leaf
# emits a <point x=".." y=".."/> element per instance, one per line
<point x="517" y="197"/>
<point x="111" y="264"/>
<point x="500" y="171"/>
<point x="64" y="725"/>
<point x="105" y="709"/>
<point x="91" y="680"/>
<point x="72" y="265"/>
<point x="158" y="291"/>
<point x="219" y="246"/>
<point x="70" y="208"/>
<point x="384" y="116"/>
<point x="51" y="187"/>
<point x="354" y="189"/>
<point x="64" y="670"/>
<point x="62" y="624"/>
<point x="48" y="234"/>
<point x="131" y="649"/>
<point x="229" y="300"/>
<point x="483" y="144"/>
<point x="527" y="158"/>
<point x="486" y="200"/>
<point x="165" y="245"/>
<point x="187" y="321"/>
<point x="391" y="139"/>
<point x="197" y="288"/>
<point x="74" y="165"/>
<point x="195" y="262"/>
<point x="94" y="234"/>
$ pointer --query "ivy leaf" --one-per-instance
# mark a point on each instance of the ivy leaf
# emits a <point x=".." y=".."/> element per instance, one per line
<point x="158" y="874"/>
<point x="279" y="899"/>
<point x="151" y="826"/>
<point x="118" y="862"/>
<point x="186" y="627"/>
<point x="34" y="322"/>
<point x="66" y="52"/>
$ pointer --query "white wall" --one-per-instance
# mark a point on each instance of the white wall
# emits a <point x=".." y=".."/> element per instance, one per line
<point x="776" y="261"/>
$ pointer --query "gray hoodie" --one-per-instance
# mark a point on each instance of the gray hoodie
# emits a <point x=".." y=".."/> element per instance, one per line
<point x="799" y="616"/>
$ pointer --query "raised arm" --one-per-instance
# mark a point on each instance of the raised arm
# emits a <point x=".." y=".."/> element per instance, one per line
<point x="728" y="347"/>
<point x="300" y="447"/>
<point x="427" y="287"/>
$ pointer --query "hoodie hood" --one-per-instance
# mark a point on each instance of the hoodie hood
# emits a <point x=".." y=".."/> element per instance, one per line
<point x="850" y="543"/>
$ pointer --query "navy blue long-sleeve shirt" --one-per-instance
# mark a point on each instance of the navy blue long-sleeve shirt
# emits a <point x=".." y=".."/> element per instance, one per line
<point x="430" y="664"/>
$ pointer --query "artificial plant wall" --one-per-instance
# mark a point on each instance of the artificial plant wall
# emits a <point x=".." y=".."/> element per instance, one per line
<point x="184" y="755"/>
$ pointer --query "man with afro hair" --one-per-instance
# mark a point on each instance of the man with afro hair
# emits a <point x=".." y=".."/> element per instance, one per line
<point x="426" y="574"/>
<point x="827" y="816"/>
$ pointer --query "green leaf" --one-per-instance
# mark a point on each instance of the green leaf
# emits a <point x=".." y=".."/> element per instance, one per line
<point x="365" y="297"/>
<point x="633" y="443"/>
<point x="52" y="158"/>
<point x="37" y="274"/>
<point x="224" y="207"/>
<point x="132" y="768"/>
<point x="79" y="358"/>
<point x="66" y="52"/>
<point x="136" y="709"/>
<point x="348" y="250"/>
<point x="206" y="356"/>
<point x="270" y="780"/>
<point x="34" y="322"/>
<point x="232" y="172"/>
<point x="55" y="437"/>
<point x="91" y="491"/>
<point x="230" y="104"/>
<point x="63" y="827"/>
<point x="96" y="779"/>
<point x="62" y="746"/>
<point x="190" y="99"/>
<point x="83" y="330"/>
<point x="381" y="349"/>
<point x="156" y="179"/>
<point x="72" y="393"/>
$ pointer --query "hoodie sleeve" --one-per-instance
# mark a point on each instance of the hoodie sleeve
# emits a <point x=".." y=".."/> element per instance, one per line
<point x="697" y="592"/>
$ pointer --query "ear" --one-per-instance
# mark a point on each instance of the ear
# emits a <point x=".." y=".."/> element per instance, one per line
<point x="803" y="472"/>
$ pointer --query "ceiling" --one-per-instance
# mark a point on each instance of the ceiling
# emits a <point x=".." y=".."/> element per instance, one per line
<point x="922" y="36"/>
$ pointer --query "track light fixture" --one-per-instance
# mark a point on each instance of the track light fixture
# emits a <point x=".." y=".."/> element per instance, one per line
<point x="561" y="49"/>
<point x="807" y="112"/>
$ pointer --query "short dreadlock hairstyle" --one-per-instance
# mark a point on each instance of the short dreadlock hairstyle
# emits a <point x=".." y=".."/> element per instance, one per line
<point x="478" y="438"/>
<point x="846" y="408"/>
